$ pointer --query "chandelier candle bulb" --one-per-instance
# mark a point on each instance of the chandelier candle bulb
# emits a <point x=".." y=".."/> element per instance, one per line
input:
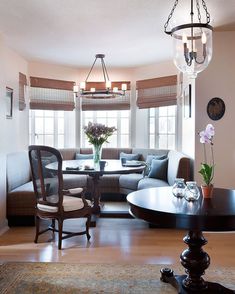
<point x="124" y="87"/>
<point x="203" y="38"/>
<point x="75" y="89"/>
<point x="108" y="84"/>
<point x="83" y="85"/>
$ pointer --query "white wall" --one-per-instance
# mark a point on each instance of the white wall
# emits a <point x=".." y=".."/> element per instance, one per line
<point x="13" y="132"/>
<point x="218" y="80"/>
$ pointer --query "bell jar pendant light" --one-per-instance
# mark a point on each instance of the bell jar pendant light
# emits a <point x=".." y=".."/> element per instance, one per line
<point x="192" y="41"/>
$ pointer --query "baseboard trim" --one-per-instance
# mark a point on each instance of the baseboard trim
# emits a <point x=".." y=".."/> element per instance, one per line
<point x="4" y="227"/>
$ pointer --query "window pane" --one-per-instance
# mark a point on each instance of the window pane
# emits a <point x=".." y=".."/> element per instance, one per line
<point x="60" y="126"/>
<point x="101" y="121"/>
<point x="112" y="113"/>
<point x="60" y="113"/>
<point x="49" y="140"/>
<point x="152" y="141"/>
<point x="39" y="125"/>
<point x="171" y="110"/>
<point x="112" y="122"/>
<point x="100" y="113"/>
<point x="124" y="140"/>
<point x="171" y="142"/>
<point x="125" y="113"/>
<point x="60" y="141"/>
<point x="163" y="111"/>
<point x="38" y="112"/>
<point x="87" y="120"/>
<point x="124" y="126"/>
<point x="162" y="141"/>
<point x="112" y="141"/>
<point x="152" y="111"/>
<point x="49" y="113"/>
<point x="152" y="126"/>
<point x="163" y="125"/>
<point x="39" y="140"/>
<point x="171" y="125"/>
<point x="49" y="125"/>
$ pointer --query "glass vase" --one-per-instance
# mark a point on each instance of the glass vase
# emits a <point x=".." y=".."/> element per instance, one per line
<point x="178" y="188"/>
<point x="192" y="192"/>
<point x="97" y="150"/>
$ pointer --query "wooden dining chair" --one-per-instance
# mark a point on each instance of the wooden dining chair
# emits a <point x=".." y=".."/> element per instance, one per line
<point x="52" y="201"/>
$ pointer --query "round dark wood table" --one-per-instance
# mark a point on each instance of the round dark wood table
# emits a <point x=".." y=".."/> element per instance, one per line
<point x="113" y="167"/>
<point x="158" y="206"/>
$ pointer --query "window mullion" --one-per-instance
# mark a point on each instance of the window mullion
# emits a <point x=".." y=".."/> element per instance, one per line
<point x="55" y="139"/>
<point x="157" y="128"/>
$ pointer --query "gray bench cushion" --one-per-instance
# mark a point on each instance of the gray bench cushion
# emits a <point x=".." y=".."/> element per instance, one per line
<point x="130" y="181"/>
<point x="74" y="181"/>
<point x="18" y="170"/>
<point x="151" y="183"/>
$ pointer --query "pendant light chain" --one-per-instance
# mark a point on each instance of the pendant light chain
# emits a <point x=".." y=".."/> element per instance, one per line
<point x="170" y="16"/>
<point x="208" y="17"/>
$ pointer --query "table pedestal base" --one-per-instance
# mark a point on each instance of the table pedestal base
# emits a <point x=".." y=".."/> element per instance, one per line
<point x="167" y="276"/>
<point x="195" y="261"/>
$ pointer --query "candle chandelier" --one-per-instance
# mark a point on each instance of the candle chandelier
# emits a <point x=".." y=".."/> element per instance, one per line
<point x="99" y="89"/>
<point x="192" y="41"/>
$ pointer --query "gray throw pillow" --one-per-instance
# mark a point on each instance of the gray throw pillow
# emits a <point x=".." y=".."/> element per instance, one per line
<point x="149" y="162"/>
<point x="80" y="156"/>
<point x="159" y="169"/>
<point x="129" y="156"/>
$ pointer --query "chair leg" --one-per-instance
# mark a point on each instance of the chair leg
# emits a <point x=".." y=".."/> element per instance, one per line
<point x="53" y="227"/>
<point x="60" y="228"/>
<point x="87" y="227"/>
<point x="37" y="225"/>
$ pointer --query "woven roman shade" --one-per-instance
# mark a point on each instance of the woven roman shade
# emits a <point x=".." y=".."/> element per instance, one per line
<point x="104" y="103"/>
<point x="22" y="84"/>
<point x="49" y="94"/>
<point x="157" y="92"/>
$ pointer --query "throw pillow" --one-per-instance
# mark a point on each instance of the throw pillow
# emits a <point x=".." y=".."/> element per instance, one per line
<point x="129" y="156"/>
<point x="80" y="156"/>
<point x="149" y="161"/>
<point x="159" y="169"/>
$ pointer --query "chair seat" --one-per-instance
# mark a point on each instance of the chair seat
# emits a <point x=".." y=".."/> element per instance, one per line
<point x="69" y="204"/>
<point x="75" y="191"/>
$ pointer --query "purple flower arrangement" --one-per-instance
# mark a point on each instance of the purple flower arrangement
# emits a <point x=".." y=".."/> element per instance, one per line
<point x="207" y="170"/>
<point x="98" y="134"/>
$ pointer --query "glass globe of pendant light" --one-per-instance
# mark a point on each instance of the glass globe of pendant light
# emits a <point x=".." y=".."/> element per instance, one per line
<point x="192" y="42"/>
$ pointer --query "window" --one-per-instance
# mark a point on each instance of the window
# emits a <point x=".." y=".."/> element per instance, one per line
<point x="119" y="119"/>
<point x="162" y="127"/>
<point x="51" y="128"/>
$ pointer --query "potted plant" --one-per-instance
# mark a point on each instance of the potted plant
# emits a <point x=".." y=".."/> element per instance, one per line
<point x="207" y="167"/>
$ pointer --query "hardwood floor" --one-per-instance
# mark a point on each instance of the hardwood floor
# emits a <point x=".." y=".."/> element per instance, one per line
<point x="113" y="241"/>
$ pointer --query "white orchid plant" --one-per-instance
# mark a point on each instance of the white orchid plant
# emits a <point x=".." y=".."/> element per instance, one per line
<point x="207" y="170"/>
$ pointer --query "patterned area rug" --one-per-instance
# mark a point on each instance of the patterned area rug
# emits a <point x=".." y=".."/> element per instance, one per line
<point x="25" y="278"/>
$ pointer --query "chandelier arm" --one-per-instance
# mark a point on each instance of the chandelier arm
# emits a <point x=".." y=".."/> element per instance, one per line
<point x="105" y="70"/>
<point x="169" y="17"/>
<point x="90" y="70"/>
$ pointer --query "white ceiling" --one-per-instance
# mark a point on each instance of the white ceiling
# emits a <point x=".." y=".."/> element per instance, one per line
<point x="71" y="32"/>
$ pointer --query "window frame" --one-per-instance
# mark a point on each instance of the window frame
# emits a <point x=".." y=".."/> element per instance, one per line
<point x="119" y="134"/>
<point x="156" y="126"/>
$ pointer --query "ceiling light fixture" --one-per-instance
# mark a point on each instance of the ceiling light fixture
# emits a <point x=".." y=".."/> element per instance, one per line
<point x="192" y="41"/>
<point x="106" y="90"/>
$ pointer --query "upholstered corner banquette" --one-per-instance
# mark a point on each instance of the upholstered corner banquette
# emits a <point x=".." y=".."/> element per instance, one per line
<point x="20" y="195"/>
